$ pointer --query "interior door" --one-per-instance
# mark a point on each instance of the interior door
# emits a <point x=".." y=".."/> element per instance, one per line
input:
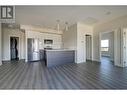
<point x="88" y="47"/>
<point x="30" y="49"/>
<point x="36" y="54"/>
<point x="14" y="48"/>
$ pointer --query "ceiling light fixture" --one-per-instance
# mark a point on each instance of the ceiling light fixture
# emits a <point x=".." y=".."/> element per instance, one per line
<point x="58" y="25"/>
<point x="108" y="13"/>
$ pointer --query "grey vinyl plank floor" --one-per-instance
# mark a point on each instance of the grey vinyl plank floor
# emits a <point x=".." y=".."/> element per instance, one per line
<point x="89" y="75"/>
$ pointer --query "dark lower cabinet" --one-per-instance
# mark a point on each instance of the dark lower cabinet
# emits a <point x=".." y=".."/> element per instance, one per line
<point x="41" y="54"/>
<point x="54" y="58"/>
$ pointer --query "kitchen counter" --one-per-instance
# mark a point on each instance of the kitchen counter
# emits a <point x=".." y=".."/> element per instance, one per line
<point x="59" y="56"/>
<point x="59" y="50"/>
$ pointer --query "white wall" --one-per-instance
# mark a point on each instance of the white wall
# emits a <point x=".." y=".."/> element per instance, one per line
<point x="82" y="30"/>
<point x="0" y="46"/>
<point x="6" y="33"/>
<point x="108" y="26"/>
<point x="70" y="39"/>
<point x="74" y="38"/>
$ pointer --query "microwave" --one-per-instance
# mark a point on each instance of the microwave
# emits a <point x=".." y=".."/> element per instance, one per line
<point x="48" y="41"/>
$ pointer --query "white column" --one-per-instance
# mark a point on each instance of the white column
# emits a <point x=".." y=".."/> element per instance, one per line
<point x="0" y="46"/>
<point x="120" y="47"/>
<point x="124" y="47"/>
<point x="26" y="36"/>
<point x="117" y="51"/>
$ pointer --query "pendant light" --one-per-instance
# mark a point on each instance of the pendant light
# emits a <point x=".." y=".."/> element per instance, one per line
<point x="58" y="25"/>
<point x="66" y="26"/>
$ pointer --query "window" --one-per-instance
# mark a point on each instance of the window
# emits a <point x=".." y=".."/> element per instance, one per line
<point x="104" y="45"/>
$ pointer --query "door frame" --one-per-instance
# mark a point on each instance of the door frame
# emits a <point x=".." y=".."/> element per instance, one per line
<point x="91" y="46"/>
<point x="91" y="58"/>
<point x="100" y="43"/>
<point x="19" y="52"/>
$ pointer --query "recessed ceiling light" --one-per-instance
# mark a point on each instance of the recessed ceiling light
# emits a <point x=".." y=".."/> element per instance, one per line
<point x="108" y="13"/>
<point x="58" y="20"/>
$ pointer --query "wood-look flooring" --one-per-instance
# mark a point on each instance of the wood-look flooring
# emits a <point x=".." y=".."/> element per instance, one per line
<point x="89" y="75"/>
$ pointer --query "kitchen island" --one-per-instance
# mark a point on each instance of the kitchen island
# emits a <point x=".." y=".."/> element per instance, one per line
<point x="59" y="57"/>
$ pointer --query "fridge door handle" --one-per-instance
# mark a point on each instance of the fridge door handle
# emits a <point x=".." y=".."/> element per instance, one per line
<point x="36" y="51"/>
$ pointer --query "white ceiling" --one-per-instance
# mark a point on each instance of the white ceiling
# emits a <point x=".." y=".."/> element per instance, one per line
<point x="47" y="16"/>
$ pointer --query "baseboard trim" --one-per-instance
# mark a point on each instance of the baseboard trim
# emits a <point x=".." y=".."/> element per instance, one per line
<point x="11" y="60"/>
<point x="105" y="55"/>
<point x="96" y="61"/>
<point x="0" y="63"/>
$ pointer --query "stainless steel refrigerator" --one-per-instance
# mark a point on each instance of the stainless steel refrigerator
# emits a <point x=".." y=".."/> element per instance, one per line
<point x="33" y="49"/>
